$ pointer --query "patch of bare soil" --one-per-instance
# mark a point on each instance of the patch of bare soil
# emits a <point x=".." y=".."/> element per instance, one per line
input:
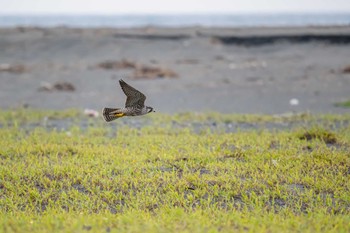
<point x="150" y="72"/>
<point x="346" y="70"/>
<point x="15" y="68"/>
<point x="117" y="65"/>
<point x="59" y="86"/>
<point x="141" y="71"/>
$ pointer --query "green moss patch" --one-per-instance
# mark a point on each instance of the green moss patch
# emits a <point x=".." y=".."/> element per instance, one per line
<point x="153" y="175"/>
<point x="344" y="104"/>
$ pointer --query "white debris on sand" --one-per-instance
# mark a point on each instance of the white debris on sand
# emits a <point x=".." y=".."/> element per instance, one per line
<point x="91" y="112"/>
<point x="294" y="102"/>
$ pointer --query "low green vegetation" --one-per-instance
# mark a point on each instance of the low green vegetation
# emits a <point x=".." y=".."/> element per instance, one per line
<point x="344" y="104"/>
<point x="182" y="173"/>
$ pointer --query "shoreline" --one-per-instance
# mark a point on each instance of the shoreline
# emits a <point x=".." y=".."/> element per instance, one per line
<point x="246" y="36"/>
<point x="327" y="29"/>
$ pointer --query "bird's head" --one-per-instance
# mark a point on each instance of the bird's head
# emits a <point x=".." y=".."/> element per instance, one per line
<point x="149" y="109"/>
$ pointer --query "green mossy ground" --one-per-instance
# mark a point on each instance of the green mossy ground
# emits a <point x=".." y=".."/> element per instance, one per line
<point x="160" y="178"/>
<point x="344" y="104"/>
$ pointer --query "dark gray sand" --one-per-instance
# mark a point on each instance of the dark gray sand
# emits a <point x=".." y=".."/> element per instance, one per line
<point x="241" y="70"/>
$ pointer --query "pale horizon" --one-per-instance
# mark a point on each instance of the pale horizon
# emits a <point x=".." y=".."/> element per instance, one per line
<point x="159" y="7"/>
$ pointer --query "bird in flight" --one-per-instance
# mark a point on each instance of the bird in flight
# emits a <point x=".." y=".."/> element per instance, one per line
<point x="134" y="105"/>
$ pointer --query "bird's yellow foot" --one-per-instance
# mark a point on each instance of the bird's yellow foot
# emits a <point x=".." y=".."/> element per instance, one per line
<point x="119" y="114"/>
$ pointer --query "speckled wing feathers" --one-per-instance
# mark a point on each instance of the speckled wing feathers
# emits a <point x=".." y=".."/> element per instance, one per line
<point x="134" y="97"/>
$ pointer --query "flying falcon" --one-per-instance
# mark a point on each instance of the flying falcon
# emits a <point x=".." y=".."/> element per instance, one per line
<point x="134" y="105"/>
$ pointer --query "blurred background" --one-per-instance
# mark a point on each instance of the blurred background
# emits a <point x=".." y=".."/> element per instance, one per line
<point x="261" y="56"/>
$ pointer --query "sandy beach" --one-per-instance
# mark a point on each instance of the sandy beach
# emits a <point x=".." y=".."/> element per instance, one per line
<point x="228" y="70"/>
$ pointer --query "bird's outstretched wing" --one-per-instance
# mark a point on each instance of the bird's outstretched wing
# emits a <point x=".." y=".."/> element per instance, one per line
<point x="134" y="97"/>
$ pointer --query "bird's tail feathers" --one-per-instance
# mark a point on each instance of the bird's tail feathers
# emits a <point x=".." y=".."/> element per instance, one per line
<point x="110" y="114"/>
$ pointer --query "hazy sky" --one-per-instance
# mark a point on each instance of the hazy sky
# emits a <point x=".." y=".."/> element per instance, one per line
<point x="167" y="6"/>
